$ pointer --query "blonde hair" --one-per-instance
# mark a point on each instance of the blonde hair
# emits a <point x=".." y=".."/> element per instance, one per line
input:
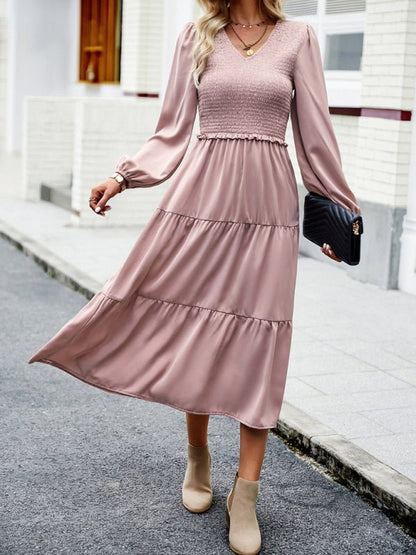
<point x="216" y="17"/>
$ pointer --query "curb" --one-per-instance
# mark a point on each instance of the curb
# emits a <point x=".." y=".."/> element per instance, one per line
<point x="53" y="265"/>
<point x="375" y="481"/>
<point x="387" y="489"/>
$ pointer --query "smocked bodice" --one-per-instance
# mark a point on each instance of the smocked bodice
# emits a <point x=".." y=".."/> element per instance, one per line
<point x="249" y="96"/>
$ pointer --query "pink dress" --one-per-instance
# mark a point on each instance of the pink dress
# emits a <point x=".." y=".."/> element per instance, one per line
<point x="199" y="316"/>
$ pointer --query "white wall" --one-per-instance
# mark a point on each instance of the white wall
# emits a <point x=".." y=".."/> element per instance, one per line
<point x="176" y="14"/>
<point x="40" y="45"/>
<point x="88" y="135"/>
<point x="48" y="143"/>
<point x="389" y="74"/>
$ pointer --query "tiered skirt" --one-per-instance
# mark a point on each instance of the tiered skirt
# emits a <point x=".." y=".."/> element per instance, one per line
<point x="199" y="316"/>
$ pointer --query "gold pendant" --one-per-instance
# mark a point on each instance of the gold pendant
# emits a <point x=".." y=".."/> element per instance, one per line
<point x="250" y="52"/>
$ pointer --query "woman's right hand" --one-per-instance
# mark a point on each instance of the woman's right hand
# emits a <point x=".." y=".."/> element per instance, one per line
<point x="326" y="249"/>
<point x="100" y="194"/>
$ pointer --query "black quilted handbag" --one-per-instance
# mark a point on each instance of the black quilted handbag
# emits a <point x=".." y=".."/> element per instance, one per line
<point x="325" y="221"/>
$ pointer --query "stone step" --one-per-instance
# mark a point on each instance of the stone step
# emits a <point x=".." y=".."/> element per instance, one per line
<point x="61" y="196"/>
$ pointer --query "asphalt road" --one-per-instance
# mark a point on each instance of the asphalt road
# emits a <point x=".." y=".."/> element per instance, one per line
<point x="84" y="471"/>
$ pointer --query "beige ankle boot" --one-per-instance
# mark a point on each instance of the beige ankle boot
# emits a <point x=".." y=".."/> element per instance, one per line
<point x="196" y="487"/>
<point x="244" y="533"/>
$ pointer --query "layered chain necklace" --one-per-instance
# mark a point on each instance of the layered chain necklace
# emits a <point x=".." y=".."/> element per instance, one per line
<point x="249" y="47"/>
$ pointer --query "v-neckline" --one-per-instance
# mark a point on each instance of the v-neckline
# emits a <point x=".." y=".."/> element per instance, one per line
<point x="227" y="38"/>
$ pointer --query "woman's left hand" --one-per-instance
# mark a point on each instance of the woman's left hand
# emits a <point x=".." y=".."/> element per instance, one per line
<point x="326" y="249"/>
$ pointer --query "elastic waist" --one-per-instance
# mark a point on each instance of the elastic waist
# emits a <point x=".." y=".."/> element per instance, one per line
<point x="249" y="136"/>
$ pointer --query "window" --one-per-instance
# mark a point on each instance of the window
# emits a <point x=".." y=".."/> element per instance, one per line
<point x="100" y="38"/>
<point x="343" y="51"/>
<point x="339" y="24"/>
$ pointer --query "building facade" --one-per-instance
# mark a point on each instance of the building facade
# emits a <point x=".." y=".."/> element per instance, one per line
<point x="81" y="83"/>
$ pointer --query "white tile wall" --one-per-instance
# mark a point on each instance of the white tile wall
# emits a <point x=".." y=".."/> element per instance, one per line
<point x="47" y="143"/>
<point x="105" y="129"/>
<point x="376" y="151"/>
<point x="86" y="137"/>
<point x="388" y="81"/>
<point x="142" y="46"/>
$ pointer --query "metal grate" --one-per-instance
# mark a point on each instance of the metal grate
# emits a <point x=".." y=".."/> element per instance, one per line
<point x="310" y="7"/>
<point x="301" y="7"/>
<point x="341" y="6"/>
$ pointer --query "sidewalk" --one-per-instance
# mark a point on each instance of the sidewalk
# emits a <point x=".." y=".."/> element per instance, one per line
<point x="350" y="398"/>
<point x="88" y="472"/>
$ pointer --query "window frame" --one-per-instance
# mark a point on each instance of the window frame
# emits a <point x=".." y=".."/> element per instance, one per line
<point x="343" y="86"/>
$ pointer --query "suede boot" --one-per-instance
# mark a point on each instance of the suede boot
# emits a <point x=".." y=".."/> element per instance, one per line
<point x="244" y="532"/>
<point x="196" y="487"/>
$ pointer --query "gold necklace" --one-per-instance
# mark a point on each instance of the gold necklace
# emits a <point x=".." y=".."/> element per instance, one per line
<point x="249" y="25"/>
<point x="249" y="47"/>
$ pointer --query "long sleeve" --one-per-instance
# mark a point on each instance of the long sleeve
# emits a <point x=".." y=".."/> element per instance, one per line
<point x="317" y="150"/>
<point x="163" y="152"/>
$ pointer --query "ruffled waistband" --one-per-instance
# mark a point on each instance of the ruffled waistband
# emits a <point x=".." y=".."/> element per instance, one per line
<point x="255" y="136"/>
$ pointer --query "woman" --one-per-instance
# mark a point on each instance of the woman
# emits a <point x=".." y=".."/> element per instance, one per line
<point x="199" y="316"/>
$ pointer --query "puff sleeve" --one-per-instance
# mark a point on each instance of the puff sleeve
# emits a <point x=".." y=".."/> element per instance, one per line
<point x="163" y="152"/>
<point x="316" y="147"/>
